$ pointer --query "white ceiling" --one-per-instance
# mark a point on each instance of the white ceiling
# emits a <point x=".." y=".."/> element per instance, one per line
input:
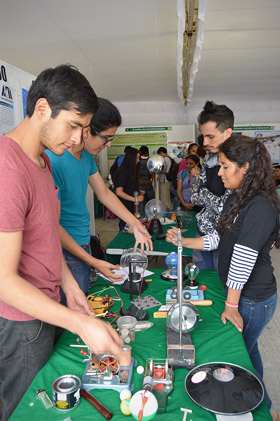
<point x="128" y="49"/>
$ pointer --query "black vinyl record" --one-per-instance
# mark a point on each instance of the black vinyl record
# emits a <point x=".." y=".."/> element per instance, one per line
<point x="224" y="388"/>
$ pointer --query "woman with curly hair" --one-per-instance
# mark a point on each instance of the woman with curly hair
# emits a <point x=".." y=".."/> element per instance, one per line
<point x="247" y="229"/>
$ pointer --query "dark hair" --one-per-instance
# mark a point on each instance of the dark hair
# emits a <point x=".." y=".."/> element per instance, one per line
<point x="127" y="148"/>
<point x="201" y="152"/>
<point x="220" y="114"/>
<point x="194" y="158"/>
<point x="161" y="150"/>
<point x="106" y="116"/>
<point x="65" y="88"/>
<point x="191" y="145"/>
<point x="200" y="139"/>
<point x="129" y="163"/>
<point x="144" y="150"/>
<point x="258" y="180"/>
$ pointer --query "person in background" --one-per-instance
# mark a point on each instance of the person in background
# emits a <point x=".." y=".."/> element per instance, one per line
<point x="127" y="182"/>
<point x="186" y="181"/>
<point x="244" y="241"/>
<point x="72" y="173"/>
<point x="165" y="185"/>
<point x="60" y="104"/>
<point x="145" y="177"/>
<point x="120" y="158"/>
<point x="192" y="150"/>
<point x="277" y="175"/>
<point x="216" y="125"/>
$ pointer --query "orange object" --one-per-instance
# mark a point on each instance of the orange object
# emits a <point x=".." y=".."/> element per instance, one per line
<point x="148" y="280"/>
<point x="99" y="304"/>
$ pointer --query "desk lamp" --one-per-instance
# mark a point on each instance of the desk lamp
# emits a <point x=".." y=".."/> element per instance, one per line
<point x="192" y="271"/>
<point x="134" y="263"/>
<point x="155" y="209"/>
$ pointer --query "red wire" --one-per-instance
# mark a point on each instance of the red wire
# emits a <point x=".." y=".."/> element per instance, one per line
<point x="142" y="281"/>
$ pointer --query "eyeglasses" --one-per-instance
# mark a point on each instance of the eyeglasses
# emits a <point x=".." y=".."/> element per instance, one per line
<point x="106" y="139"/>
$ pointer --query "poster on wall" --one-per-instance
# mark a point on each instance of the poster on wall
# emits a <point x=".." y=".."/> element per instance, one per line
<point x="14" y="86"/>
<point x="8" y="102"/>
<point x="177" y="150"/>
<point x="152" y="140"/>
<point x="271" y="139"/>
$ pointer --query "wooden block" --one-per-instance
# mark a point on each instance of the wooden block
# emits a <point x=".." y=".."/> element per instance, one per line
<point x="160" y="314"/>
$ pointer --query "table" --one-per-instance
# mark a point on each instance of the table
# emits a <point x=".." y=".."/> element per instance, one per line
<point x="123" y="241"/>
<point x="213" y="342"/>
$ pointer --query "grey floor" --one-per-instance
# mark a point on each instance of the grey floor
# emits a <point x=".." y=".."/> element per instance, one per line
<point x="269" y="343"/>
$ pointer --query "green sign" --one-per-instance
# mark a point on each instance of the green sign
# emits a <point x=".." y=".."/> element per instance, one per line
<point x="139" y="138"/>
<point x="237" y="128"/>
<point x="152" y="140"/>
<point x="147" y="129"/>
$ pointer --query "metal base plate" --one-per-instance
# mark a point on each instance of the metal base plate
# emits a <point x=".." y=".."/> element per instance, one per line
<point x="180" y="358"/>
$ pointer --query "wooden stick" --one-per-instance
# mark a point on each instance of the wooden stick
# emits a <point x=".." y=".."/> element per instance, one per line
<point x="96" y="404"/>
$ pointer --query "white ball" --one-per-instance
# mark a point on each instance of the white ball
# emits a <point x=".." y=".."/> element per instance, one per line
<point x="144" y="402"/>
<point x="125" y="394"/>
<point x="140" y="369"/>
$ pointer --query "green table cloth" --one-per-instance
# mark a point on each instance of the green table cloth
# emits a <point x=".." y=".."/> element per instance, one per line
<point x="123" y="241"/>
<point x="214" y="342"/>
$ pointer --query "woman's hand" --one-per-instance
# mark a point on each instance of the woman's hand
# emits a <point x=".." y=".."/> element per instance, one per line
<point x="232" y="314"/>
<point x="142" y="237"/>
<point x="105" y="269"/>
<point x="171" y="236"/>
<point x="195" y="172"/>
<point x="188" y="206"/>
<point x="140" y="198"/>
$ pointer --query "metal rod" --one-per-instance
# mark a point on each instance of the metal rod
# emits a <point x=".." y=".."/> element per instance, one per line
<point x="156" y="181"/>
<point x="180" y="286"/>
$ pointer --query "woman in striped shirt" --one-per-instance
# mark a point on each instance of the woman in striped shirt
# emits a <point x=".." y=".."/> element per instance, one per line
<point x="247" y="230"/>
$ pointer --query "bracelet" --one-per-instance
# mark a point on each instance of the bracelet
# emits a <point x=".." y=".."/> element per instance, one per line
<point x="231" y="305"/>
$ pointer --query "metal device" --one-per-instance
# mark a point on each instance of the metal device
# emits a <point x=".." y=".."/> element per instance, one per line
<point x="134" y="262"/>
<point x="181" y="319"/>
<point x="224" y="388"/>
<point x="105" y="372"/>
<point x="158" y="379"/>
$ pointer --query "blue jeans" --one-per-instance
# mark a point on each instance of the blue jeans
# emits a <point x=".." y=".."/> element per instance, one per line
<point x="24" y="348"/>
<point x="79" y="269"/>
<point x="256" y="315"/>
<point x="205" y="259"/>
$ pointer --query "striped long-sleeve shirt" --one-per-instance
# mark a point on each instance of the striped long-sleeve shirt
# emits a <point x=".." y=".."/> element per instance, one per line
<point x="242" y="261"/>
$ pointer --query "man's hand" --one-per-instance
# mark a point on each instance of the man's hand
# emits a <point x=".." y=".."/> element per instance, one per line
<point x="105" y="269"/>
<point x="142" y="237"/>
<point x="232" y="314"/>
<point x="99" y="336"/>
<point x="77" y="301"/>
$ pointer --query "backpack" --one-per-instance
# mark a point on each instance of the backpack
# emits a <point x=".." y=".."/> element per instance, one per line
<point x="144" y="172"/>
<point x="114" y="169"/>
<point x="171" y="175"/>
